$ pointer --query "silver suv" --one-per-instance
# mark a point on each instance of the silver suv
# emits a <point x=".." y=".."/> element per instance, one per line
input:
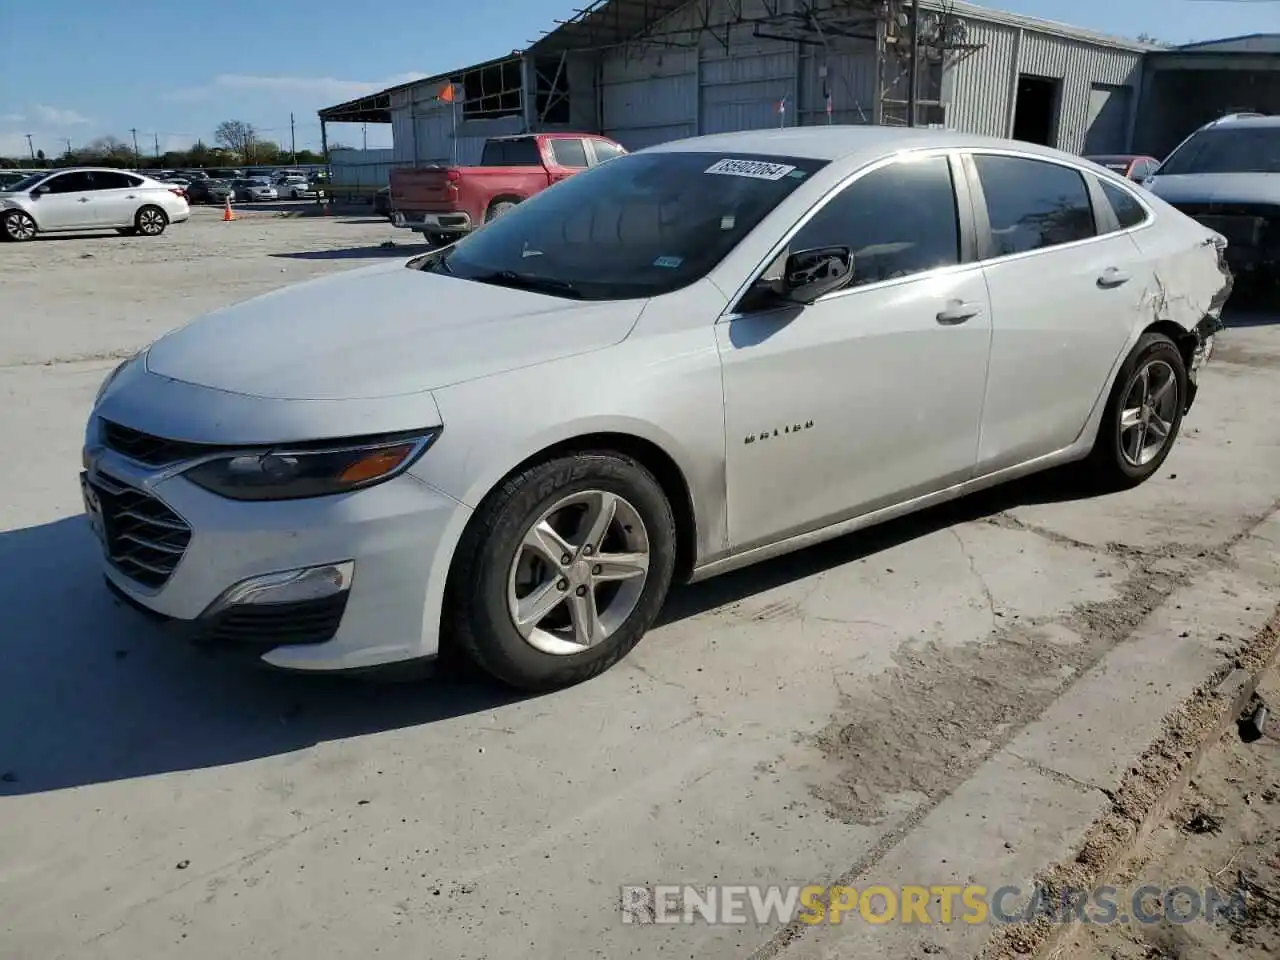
<point x="1227" y="176"/>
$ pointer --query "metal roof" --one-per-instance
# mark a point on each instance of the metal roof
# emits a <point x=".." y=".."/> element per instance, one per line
<point x="376" y="107"/>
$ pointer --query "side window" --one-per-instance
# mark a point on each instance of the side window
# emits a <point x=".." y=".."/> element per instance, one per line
<point x="606" y="150"/>
<point x="70" y="183"/>
<point x="1128" y="210"/>
<point x="897" y="220"/>
<point x="113" y="181"/>
<point x="1033" y="204"/>
<point x="569" y="152"/>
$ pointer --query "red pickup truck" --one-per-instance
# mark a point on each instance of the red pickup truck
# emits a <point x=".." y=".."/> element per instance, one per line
<point x="445" y="202"/>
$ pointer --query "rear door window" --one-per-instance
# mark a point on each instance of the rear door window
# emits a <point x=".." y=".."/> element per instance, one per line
<point x="1033" y="204"/>
<point x="511" y="153"/>
<point x="114" y="181"/>
<point x="569" y="152"/>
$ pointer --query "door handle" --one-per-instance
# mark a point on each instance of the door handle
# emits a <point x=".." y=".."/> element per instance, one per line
<point x="957" y="311"/>
<point x="131" y="196"/>
<point x="84" y="200"/>
<point x="1112" y="277"/>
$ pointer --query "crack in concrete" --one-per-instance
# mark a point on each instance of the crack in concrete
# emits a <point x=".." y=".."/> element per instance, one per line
<point x="977" y="575"/>
<point x="1059" y="777"/>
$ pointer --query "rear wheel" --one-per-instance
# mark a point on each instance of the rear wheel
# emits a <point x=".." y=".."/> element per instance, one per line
<point x="499" y="209"/>
<point x="563" y="570"/>
<point x="1143" y="414"/>
<point x="18" y="225"/>
<point x="150" y="221"/>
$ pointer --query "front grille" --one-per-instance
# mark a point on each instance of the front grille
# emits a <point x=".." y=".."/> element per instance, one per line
<point x="149" y="449"/>
<point x="144" y="538"/>
<point x="277" y="624"/>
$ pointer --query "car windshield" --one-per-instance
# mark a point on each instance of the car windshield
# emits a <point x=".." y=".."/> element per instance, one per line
<point x="1227" y="150"/>
<point x="638" y="226"/>
<point x="26" y="183"/>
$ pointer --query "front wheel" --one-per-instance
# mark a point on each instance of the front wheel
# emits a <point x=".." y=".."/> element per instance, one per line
<point x="563" y="570"/>
<point x="17" y="225"/>
<point x="1143" y="414"/>
<point x="150" y="221"/>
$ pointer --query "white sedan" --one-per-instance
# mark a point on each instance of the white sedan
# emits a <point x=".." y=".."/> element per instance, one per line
<point x="89" y="198"/>
<point x="683" y="361"/>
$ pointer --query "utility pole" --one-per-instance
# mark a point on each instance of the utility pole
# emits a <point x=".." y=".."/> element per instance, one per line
<point x="32" y="147"/>
<point x="67" y="141"/>
<point x="137" y="160"/>
<point x="293" y="143"/>
<point x="157" y="143"/>
<point x="913" y="85"/>
<point x="364" y="135"/>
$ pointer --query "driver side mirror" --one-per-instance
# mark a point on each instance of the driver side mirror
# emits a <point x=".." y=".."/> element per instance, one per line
<point x="802" y="277"/>
<point x="39" y="192"/>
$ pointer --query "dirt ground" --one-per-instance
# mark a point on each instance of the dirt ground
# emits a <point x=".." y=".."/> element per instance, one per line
<point x="829" y="716"/>
<point x="1224" y="835"/>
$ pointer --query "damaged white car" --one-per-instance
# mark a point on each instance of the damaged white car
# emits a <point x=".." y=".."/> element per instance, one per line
<point x="680" y="362"/>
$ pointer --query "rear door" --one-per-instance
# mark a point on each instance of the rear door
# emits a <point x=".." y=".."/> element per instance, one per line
<point x="67" y="203"/>
<point x="116" y="198"/>
<point x="569" y="155"/>
<point x="1066" y="288"/>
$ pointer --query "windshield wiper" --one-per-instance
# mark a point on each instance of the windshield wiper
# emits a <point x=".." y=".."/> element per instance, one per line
<point x="527" y="281"/>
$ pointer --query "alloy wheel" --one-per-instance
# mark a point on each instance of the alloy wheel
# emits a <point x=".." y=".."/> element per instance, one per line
<point x="151" y="222"/>
<point x="1149" y="411"/>
<point x="19" y="226"/>
<point x="578" y="573"/>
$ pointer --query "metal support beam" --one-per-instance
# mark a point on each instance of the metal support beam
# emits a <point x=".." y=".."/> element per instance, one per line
<point x="913" y="82"/>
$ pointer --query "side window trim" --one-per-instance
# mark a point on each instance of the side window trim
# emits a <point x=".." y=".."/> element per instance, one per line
<point x="1105" y="221"/>
<point x="986" y="242"/>
<point x="952" y="155"/>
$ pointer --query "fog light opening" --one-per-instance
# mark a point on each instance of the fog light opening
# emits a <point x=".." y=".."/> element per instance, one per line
<point x="288" y="586"/>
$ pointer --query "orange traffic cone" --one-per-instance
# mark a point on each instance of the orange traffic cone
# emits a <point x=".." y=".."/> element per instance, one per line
<point x="226" y="211"/>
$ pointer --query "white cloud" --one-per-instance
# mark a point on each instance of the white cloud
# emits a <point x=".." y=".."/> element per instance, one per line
<point x="313" y="89"/>
<point x="11" y="118"/>
<point x="57" y="116"/>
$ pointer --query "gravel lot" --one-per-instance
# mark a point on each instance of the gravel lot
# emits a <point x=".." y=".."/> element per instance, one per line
<point x="901" y="704"/>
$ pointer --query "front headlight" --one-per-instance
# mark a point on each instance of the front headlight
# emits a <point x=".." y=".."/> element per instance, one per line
<point x="292" y="473"/>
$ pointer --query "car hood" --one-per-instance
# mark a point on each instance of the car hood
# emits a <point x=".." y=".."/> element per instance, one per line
<point x="382" y="331"/>
<point x="1218" y="188"/>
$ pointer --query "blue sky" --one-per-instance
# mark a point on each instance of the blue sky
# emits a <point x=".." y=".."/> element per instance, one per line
<point x="72" y="69"/>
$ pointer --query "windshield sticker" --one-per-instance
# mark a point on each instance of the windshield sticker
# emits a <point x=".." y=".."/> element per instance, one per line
<point x="669" y="262"/>
<point x="755" y="169"/>
<point x="726" y="223"/>
<point x="798" y="174"/>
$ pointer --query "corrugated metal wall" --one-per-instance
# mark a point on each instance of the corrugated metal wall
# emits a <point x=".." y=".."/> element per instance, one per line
<point x="980" y="85"/>
<point x="423" y="129"/>
<point x="742" y="89"/>
<point x="1078" y="65"/>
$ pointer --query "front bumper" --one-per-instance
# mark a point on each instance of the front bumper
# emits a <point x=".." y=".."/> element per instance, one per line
<point x="399" y="537"/>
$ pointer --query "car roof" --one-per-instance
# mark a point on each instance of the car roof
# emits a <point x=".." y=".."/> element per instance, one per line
<point x="1250" y="120"/>
<point x="845" y="142"/>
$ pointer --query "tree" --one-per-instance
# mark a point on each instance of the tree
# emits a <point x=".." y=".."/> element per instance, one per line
<point x="1154" y="41"/>
<point x="264" y="151"/>
<point x="237" y="136"/>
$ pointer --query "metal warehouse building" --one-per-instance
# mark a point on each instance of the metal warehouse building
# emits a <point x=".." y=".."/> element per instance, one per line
<point x="645" y="71"/>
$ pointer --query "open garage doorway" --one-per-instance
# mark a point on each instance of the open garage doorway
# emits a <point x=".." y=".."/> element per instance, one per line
<point x="1035" y="111"/>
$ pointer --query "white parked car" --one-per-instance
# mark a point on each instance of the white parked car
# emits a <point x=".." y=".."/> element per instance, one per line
<point x="254" y="189"/>
<point x="683" y="361"/>
<point x="89" y="198"/>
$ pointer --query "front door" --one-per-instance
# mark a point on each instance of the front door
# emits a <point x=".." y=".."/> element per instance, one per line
<point x="872" y="395"/>
<point x="65" y="203"/>
<point x="1063" y="303"/>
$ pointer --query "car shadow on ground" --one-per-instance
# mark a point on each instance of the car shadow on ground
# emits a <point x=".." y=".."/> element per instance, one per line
<point x="357" y="253"/>
<point x="93" y="692"/>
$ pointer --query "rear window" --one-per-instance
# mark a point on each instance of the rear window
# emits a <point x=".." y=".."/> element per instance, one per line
<point x="511" y="153"/>
<point x="638" y="226"/>
<point x="1251" y="149"/>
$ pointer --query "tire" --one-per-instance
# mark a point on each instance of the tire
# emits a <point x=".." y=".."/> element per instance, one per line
<point x="150" y="221"/>
<point x="499" y="209"/>
<point x="1113" y="463"/>
<point x="18" y="226"/>
<point x="498" y="569"/>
